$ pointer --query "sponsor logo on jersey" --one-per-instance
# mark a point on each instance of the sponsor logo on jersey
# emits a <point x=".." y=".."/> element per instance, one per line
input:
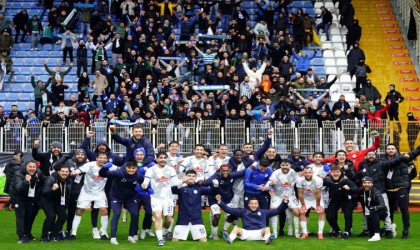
<point x="162" y="179"/>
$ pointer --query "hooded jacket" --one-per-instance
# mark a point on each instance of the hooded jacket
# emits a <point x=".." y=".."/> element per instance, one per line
<point x="131" y="144"/>
<point x="46" y="160"/>
<point x="54" y="196"/>
<point x="123" y="184"/>
<point x="9" y="171"/>
<point x="91" y="155"/>
<point x="336" y="191"/>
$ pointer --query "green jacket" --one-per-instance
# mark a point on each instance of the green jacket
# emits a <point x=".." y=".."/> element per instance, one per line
<point x="7" y="60"/>
<point x="37" y="88"/>
<point x="52" y="73"/>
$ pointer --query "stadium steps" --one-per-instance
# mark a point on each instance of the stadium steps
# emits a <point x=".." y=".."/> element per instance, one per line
<point x="388" y="57"/>
<point x="415" y="192"/>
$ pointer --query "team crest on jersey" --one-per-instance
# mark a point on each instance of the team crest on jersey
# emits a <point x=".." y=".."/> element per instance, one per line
<point x="123" y="180"/>
<point x="285" y="185"/>
<point x="354" y="156"/>
<point x="259" y="213"/>
<point x="162" y="179"/>
<point x="134" y="182"/>
<point x="195" y="192"/>
<point x="364" y="170"/>
<point x="266" y="175"/>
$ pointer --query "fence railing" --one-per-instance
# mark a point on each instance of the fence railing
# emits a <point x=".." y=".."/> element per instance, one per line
<point x="308" y="136"/>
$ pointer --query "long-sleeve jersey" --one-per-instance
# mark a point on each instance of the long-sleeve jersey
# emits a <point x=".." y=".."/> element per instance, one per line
<point x="285" y="183"/>
<point x="198" y="165"/>
<point x="123" y="184"/>
<point x="253" y="220"/>
<point x="189" y="200"/>
<point x="93" y="182"/>
<point x="254" y="178"/>
<point x="214" y="165"/>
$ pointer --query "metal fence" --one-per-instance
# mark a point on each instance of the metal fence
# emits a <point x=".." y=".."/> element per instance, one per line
<point x="403" y="9"/>
<point x="308" y="136"/>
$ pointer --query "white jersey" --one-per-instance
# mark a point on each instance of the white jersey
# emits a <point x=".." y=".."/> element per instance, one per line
<point x="238" y="185"/>
<point x="284" y="182"/>
<point x="161" y="181"/>
<point x="214" y="165"/>
<point x="309" y="187"/>
<point x="93" y="183"/>
<point x="198" y="165"/>
<point x="319" y="171"/>
<point x="174" y="161"/>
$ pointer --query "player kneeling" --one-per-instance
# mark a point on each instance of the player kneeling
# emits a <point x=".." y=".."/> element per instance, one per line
<point x="253" y="220"/>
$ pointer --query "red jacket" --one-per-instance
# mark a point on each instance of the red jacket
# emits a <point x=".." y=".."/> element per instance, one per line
<point x="357" y="156"/>
<point x="375" y="119"/>
<point x="86" y="118"/>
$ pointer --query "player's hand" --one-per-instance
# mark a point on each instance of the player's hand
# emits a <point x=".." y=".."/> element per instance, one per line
<point x="272" y="193"/>
<point x="90" y="134"/>
<point x="374" y="133"/>
<point x="215" y="183"/>
<point x="302" y="209"/>
<point x="28" y="178"/>
<point x="270" y="132"/>
<point x="112" y="128"/>
<point x="286" y="197"/>
<point x="261" y="187"/>
<point x="346" y="187"/>
<point x="55" y="186"/>
<point x="406" y="156"/>
<point x="319" y="209"/>
<point x="108" y="165"/>
<point x="218" y="198"/>
<point x="36" y="143"/>
<point x="144" y="186"/>
<point x="200" y="182"/>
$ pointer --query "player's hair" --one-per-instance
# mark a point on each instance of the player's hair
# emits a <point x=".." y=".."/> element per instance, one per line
<point x="191" y="171"/>
<point x="286" y="161"/>
<point x="101" y="153"/>
<point x="318" y="153"/>
<point x="199" y="145"/>
<point x="253" y="198"/>
<point x="237" y="150"/>
<point x="246" y="144"/>
<point x="222" y="145"/>
<point x="339" y="151"/>
<point x="30" y="161"/>
<point x="390" y="144"/>
<point x="348" y="140"/>
<point x="131" y="164"/>
<point x="173" y="142"/>
<point x="334" y="167"/>
<point x="137" y="126"/>
<point x="161" y="153"/>
<point x="62" y="166"/>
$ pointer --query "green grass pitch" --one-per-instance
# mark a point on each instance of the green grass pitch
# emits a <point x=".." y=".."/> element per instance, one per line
<point x="8" y="238"/>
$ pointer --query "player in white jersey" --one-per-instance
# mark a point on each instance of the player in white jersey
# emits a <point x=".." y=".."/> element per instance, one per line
<point x="196" y="162"/>
<point x="217" y="160"/>
<point x="321" y="170"/>
<point x="174" y="160"/>
<point x="309" y="195"/>
<point x="283" y="182"/>
<point x="161" y="178"/>
<point x="93" y="190"/>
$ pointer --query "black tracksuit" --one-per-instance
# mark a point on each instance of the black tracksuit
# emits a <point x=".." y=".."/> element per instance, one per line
<point x="340" y="198"/>
<point x="55" y="204"/>
<point x="374" y="208"/>
<point x="26" y="207"/>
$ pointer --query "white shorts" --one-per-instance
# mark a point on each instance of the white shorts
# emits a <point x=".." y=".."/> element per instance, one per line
<point x="276" y="201"/>
<point x="237" y="201"/>
<point x="197" y="231"/>
<point x="251" y="235"/>
<point x="164" y="206"/>
<point x="99" y="200"/>
<point x="215" y="209"/>
<point x="312" y="204"/>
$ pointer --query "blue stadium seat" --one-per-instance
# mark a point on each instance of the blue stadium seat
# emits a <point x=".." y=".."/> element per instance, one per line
<point x="28" y="6"/>
<point x="308" y="5"/>
<point x="39" y="61"/>
<point x="18" y="61"/>
<point x="43" y="54"/>
<point x="3" y="96"/>
<point x="24" y="97"/>
<point x="16" y="88"/>
<point x="21" y="78"/>
<point x="246" y="5"/>
<point x="319" y="71"/>
<point x="19" y="54"/>
<point x="25" y="46"/>
<point x="25" y="71"/>
<point x="39" y="71"/>
<point x="54" y="53"/>
<point x="318" y="62"/>
<point x="32" y="54"/>
<point x="297" y="4"/>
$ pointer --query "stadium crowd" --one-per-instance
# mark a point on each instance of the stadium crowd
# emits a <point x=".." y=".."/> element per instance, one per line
<point x="143" y="71"/>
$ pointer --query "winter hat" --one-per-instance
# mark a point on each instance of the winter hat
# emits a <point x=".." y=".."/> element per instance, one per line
<point x="80" y="151"/>
<point x="367" y="178"/>
<point x="372" y="108"/>
<point x="56" y="144"/>
<point x="141" y="150"/>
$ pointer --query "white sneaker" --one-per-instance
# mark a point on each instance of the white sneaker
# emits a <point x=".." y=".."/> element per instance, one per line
<point x="95" y="234"/>
<point x="143" y="234"/>
<point x="136" y="237"/>
<point x="131" y="239"/>
<point x="394" y="231"/>
<point x="289" y="231"/>
<point x="150" y="232"/>
<point x="375" y="238"/>
<point x="297" y="235"/>
<point x="114" y="241"/>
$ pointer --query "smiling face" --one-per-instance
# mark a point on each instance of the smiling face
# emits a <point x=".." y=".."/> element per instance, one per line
<point x="31" y="168"/>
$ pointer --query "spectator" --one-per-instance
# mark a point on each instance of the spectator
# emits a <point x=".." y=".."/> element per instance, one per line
<point x="341" y="104"/>
<point x="89" y="116"/>
<point x="396" y="98"/>
<point x="5" y="23"/>
<point x="353" y="35"/>
<point x="6" y="41"/>
<point x="19" y="23"/>
<point x="57" y="74"/>
<point x="326" y="22"/>
<point x="413" y="130"/>
<point x="39" y="88"/>
<point x="68" y="42"/>
<point x="82" y="87"/>
<point x="57" y="90"/>
<point x="355" y="56"/>
<point x="99" y="83"/>
<point x="370" y="91"/>
<point x="34" y="28"/>
<point x="304" y="61"/>
<point x="6" y="59"/>
<point x="81" y="55"/>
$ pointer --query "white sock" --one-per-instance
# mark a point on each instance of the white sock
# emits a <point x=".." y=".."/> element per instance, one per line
<point x="235" y="222"/>
<point x="289" y="217"/>
<point x="232" y="236"/>
<point x="303" y="225"/>
<point x="171" y="226"/>
<point x="274" y="221"/>
<point x="321" y="224"/>
<point x="296" y="221"/>
<point x="159" y="234"/>
<point x="214" y="229"/>
<point x="226" y="226"/>
<point x="104" y="223"/>
<point x="76" y="223"/>
<point x="266" y="236"/>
